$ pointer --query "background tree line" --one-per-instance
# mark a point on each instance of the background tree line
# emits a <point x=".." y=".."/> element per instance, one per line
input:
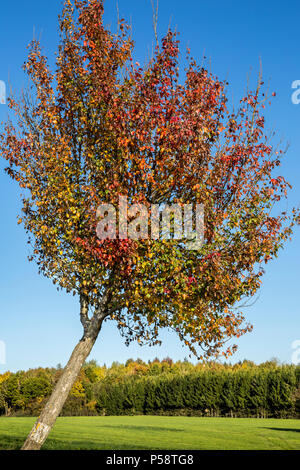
<point x="161" y="387"/>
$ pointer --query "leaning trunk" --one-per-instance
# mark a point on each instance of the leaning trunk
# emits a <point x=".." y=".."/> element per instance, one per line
<point x="52" y="410"/>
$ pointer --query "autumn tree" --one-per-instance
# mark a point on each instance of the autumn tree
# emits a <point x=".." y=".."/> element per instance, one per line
<point x="101" y="126"/>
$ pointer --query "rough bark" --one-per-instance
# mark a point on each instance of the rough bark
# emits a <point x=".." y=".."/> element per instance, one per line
<point x="44" y="424"/>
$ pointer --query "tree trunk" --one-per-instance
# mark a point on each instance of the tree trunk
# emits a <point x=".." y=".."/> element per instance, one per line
<point x="44" y="424"/>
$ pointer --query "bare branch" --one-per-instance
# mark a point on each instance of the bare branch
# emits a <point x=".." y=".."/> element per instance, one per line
<point x="155" y="20"/>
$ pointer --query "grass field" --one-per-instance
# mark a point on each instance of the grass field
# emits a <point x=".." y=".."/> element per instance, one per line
<point x="158" y="432"/>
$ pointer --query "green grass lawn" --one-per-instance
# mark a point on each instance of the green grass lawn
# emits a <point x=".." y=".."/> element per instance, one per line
<point x="158" y="432"/>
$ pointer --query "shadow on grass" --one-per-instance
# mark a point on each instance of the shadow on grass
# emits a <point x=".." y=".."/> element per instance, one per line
<point x="15" y="443"/>
<point x="11" y="442"/>
<point x="142" y="428"/>
<point x="284" y="429"/>
<point x="55" y="444"/>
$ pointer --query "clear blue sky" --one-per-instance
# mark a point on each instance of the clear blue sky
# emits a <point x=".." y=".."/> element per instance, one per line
<point x="41" y="326"/>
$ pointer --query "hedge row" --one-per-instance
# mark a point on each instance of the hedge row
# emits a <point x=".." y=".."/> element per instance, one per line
<point x="262" y="393"/>
<point x="160" y="387"/>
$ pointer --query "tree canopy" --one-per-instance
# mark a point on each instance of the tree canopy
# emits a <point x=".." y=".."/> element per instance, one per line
<point x="100" y="126"/>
